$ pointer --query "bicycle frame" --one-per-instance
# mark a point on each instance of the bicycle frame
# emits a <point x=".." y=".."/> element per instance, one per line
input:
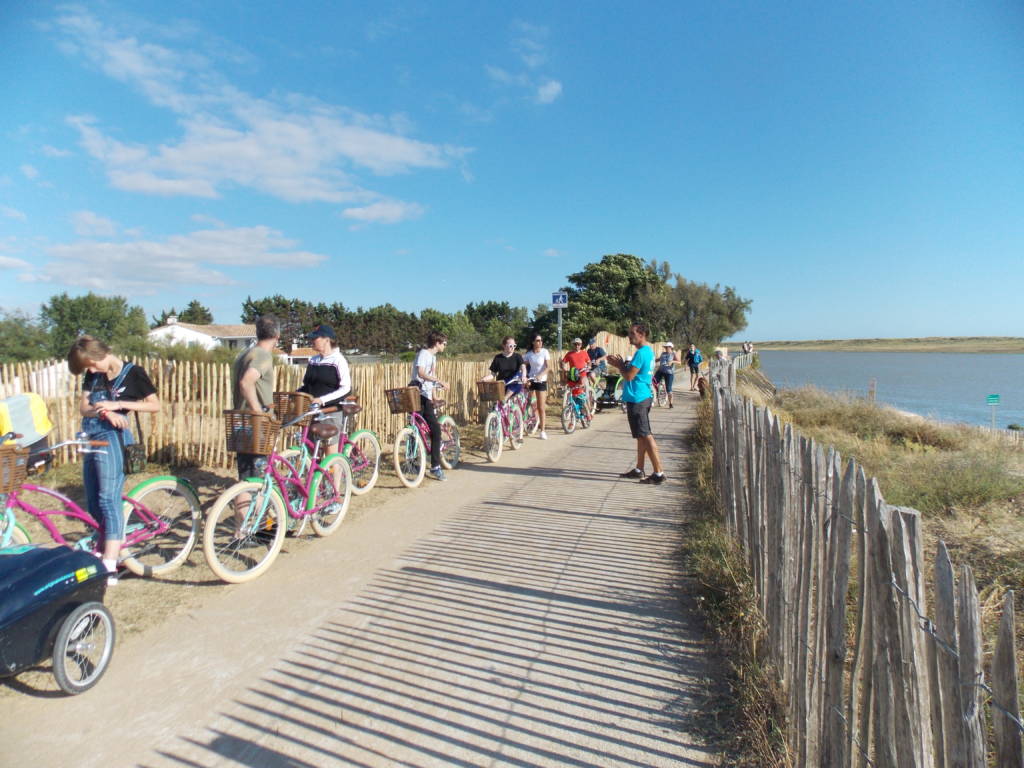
<point x="301" y="486"/>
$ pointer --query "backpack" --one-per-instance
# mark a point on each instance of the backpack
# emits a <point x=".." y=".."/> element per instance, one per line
<point x="697" y="359"/>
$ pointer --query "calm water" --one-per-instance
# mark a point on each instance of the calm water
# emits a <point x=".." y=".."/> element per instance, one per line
<point x="945" y="386"/>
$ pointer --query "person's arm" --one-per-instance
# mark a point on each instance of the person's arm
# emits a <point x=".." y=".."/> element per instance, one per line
<point x="247" y="386"/>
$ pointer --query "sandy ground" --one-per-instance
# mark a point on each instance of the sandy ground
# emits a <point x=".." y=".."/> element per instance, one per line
<point x="529" y="612"/>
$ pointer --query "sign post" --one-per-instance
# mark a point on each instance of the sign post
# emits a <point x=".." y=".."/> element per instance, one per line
<point x="559" y="301"/>
<point x="993" y="400"/>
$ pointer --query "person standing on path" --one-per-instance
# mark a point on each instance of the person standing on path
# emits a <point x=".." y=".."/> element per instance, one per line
<point x="666" y="372"/>
<point x="327" y="377"/>
<point x="424" y="376"/>
<point x="693" y="360"/>
<point x="538" y="360"/>
<point x="638" y="395"/>
<point x="252" y="384"/>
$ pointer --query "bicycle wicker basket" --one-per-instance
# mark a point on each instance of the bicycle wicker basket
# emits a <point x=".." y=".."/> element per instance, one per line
<point x="13" y="468"/>
<point x="291" y="405"/>
<point x="248" y="432"/>
<point x="490" y="390"/>
<point x="403" y="399"/>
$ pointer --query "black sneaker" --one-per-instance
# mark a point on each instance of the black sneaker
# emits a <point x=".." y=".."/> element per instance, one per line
<point x="654" y="479"/>
<point x="634" y="472"/>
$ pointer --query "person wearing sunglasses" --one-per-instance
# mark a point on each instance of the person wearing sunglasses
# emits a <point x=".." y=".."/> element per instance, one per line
<point x="508" y="366"/>
<point x="538" y="360"/>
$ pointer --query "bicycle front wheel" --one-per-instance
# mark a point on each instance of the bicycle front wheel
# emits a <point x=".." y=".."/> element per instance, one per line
<point x="161" y="524"/>
<point x="451" y="446"/>
<point x="330" y="495"/>
<point x="532" y="419"/>
<point x="244" y="531"/>
<point x="410" y="457"/>
<point x="363" y="454"/>
<point x="662" y="395"/>
<point x="515" y="427"/>
<point x="493" y="436"/>
<point x="568" y="418"/>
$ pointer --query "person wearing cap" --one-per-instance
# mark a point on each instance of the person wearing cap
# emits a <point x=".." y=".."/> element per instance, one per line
<point x="598" y="357"/>
<point x="327" y="376"/>
<point x="576" y="358"/>
<point x="666" y="373"/>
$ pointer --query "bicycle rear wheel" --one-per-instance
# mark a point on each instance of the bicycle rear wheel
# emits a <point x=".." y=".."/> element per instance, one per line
<point x="451" y="446"/>
<point x="568" y="418"/>
<point x="363" y="454"/>
<point x="331" y="491"/>
<point x="515" y="427"/>
<point x="493" y="436"/>
<point x="410" y="457"/>
<point x="149" y="506"/>
<point x="240" y="547"/>
<point x="11" y="533"/>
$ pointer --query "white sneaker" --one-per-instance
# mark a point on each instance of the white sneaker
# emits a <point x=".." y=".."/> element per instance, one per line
<point x="543" y="435"/>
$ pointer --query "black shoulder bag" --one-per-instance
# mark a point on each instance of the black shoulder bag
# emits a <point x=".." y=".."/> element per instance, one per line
<point x="135" y="454"/>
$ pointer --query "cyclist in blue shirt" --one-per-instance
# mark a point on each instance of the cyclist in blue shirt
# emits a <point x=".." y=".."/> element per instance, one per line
<point x="638" y="395"/>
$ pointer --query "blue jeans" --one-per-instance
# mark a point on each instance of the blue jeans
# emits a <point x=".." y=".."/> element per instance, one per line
<point x="103" y="476"/>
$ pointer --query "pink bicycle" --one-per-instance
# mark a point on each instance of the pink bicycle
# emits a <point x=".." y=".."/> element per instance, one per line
<point x="161" y="514"/>
<point x="245" y="528"/>
<point x="412" y="443"/>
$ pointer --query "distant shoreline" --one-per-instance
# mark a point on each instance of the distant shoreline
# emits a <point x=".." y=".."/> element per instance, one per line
<point x="975" y="344"/>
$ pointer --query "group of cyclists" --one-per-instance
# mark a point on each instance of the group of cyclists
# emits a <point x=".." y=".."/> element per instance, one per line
<point x="113" y="390"/>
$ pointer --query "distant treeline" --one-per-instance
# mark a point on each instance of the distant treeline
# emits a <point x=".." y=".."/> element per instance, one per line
<point x="608" y="294"/>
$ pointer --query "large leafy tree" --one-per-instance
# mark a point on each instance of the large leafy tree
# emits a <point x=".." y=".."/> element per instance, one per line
<point x="694" y="313"/>
<point x="108" y="318"/>
<point x="22" y="338"/>
<point x="494" y="320"/>
<point x="194" y="313"/>
<point x="297" y="317"/>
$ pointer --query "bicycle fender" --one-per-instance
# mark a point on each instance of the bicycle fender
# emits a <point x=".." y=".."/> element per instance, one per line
<point x="347" y="451"/>
<point x="161" y="478"/>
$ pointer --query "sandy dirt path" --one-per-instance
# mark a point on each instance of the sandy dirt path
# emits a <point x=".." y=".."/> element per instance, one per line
<point x="531" y="612"/>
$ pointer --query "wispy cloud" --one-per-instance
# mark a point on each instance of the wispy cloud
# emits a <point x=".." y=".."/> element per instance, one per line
<point x="384" y="212"/>
<point x="293" y="148"/>
<point x="12" y="213"/>
<point x="553" y="253"/>
<point x="7" y="262"/>
<point x="529" y="44"/>
<point x="29" y="171"/>
<point x="89" y="224"/>
<point x="55" y="152"/>
<point x="114" y="267"/>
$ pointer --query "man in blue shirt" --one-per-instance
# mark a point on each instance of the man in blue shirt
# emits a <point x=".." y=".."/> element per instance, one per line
<point x="637" y="395"/>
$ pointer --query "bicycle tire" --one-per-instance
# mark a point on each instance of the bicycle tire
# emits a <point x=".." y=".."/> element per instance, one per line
<point x="494" y="437"/>
<point x="363" y="454"/>
<point x="75" y="640"/>
<point x="262" y="541"/>
<point x="175" y="502"/>
<point x="662" y="395"/>
<point x="515" y="427"/>
<point x="326" y="521"/>
<point x="451" y="443"/>
<point x="298" y="458"/>
<point x="568" y="418"/>
<point x="410" y="457"/>
<point x="583" y="416"/>
<point x="11" y="532"/>
<point x="532" y="418"/>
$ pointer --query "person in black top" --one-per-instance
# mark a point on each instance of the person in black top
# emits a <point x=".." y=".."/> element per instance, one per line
<point x="327" y="376"/>
<point x="508" y="366"/>
<point x="111" y="388"/>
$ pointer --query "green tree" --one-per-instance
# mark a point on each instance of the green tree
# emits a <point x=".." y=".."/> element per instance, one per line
<point x="606" y="295"/>
<point x="693" y="313"/>
<point x="494" y="320"/>
<point x="462" y="335"/>
<point x="297" y="317"/>
<point x="108" y="318"/>
<point x="194" y="313"/>
<point x="22" y="338"/>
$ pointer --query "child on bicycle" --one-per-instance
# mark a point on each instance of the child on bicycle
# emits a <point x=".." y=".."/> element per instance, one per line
<point x="424" y="376"/>
<point x="111" y="388"/>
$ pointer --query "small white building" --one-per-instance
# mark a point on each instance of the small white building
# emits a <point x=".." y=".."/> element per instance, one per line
<point x="205" y="336"/>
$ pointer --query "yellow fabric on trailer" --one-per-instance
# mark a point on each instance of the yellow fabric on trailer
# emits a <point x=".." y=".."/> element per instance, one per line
<point x="27" y="415"/>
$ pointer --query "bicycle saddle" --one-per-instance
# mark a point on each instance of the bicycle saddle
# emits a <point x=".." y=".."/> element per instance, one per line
<point x="351" y="409"/>
<point x="323" y="430"/>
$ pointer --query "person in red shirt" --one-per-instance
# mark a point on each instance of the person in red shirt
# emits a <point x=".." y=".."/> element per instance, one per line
<point x="577" y="358"/>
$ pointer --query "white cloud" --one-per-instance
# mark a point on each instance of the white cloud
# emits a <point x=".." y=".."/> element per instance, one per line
<point x="202" y="218"/>
<point x="293" y="148"/>
<point x="29" y="171"/>
<point x="385" y="212"/>
<point x="89" y="224"/>
<point x="529" y="43"/>
<point x="145" y="267"/>
<point x="12" y="213"/>
<point x="554" y="253"/>
<point x="7" y="262"/>
<point x="549" y="91"/>
<point x="55" y="152"/>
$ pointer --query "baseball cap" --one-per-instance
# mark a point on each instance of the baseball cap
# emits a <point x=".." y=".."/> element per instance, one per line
<point x="592" y="341"/>
<point x="669" y="344"/>
<point x="323" y="332"/>
<point x="577" y="340"/>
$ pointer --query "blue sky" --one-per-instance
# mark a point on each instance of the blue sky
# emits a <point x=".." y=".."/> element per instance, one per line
<point x="855" y="168"/>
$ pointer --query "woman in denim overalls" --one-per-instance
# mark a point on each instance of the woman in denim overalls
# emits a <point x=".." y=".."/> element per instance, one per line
<point x="104" y="418"/>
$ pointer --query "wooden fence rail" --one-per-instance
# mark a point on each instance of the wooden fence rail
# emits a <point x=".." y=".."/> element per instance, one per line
<point x="872" y="676"/>
<point x="189" y="428"/>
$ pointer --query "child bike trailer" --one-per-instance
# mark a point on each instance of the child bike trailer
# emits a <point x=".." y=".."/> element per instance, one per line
<point x="51" y="606"/>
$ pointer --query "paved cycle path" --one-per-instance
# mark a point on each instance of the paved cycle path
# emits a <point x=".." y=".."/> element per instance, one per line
<point x="525" y="613"/>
